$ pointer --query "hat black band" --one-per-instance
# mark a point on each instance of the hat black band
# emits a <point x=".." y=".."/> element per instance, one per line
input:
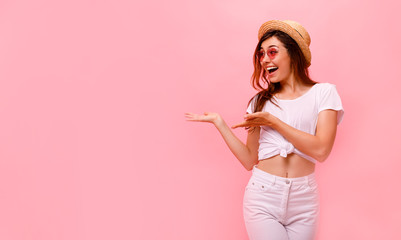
<point x="298" y="33"/>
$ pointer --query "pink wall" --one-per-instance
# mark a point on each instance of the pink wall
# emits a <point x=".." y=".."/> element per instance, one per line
<point x="93" y="139"/>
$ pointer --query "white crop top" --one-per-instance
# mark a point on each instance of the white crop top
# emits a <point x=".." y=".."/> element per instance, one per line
<point x="300" y="113"/>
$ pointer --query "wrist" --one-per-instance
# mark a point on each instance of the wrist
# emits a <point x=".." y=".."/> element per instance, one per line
<point x="272" y="121"/>
<point x="218" y="122"/>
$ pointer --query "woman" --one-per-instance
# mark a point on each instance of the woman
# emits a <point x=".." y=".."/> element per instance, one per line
<point x="291" y="125"/>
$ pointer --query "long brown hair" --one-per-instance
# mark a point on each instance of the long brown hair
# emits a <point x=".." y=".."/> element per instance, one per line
<point x="298" y="64"/>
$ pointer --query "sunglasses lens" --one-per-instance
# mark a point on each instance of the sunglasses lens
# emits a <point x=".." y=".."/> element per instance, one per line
<point x="272" y="54"/>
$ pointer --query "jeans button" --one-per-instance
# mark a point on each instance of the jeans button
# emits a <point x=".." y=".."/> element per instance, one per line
<point x="287" y="181"/>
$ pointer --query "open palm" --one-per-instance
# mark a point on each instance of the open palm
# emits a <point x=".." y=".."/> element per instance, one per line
<point x="206" y="117"/>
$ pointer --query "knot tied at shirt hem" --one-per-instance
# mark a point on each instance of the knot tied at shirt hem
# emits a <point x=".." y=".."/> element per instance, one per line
<point x="286" y="148"/>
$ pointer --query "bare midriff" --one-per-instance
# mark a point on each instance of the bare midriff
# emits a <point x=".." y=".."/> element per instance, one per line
<point x="292" y="166"/>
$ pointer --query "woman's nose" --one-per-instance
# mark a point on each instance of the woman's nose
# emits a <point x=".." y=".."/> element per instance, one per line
<point x="265" y="58"/>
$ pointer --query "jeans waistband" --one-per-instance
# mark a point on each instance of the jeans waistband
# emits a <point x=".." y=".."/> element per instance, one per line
<point x="273" y="179"/>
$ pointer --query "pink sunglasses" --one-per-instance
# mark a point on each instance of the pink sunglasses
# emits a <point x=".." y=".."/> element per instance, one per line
<point x="271" y="53"/>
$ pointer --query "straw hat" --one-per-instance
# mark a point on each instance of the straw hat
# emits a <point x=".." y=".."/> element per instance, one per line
<point x="292" y="28"/>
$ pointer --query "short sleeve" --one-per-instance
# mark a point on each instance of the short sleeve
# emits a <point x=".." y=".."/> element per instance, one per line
<point x="251" y="106"/>
<point x="330" y="99"/>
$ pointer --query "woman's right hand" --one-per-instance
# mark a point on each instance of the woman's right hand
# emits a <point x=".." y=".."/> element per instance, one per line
<point x="211" y="117"/>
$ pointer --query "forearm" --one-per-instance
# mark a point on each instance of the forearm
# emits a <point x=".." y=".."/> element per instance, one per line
<point x="307" y="143"/>
<point x="237" y="147"/>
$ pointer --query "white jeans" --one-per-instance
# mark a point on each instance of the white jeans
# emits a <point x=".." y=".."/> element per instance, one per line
<point x="277" y="208"/>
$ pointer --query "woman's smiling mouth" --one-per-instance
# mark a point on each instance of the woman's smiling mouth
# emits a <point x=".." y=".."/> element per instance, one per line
<point x="271" y="70"/>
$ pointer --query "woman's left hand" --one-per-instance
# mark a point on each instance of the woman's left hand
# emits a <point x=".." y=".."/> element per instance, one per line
<point x="256" y="119"/>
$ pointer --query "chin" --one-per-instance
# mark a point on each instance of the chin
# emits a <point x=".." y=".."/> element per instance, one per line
<point x="274" y="80"/>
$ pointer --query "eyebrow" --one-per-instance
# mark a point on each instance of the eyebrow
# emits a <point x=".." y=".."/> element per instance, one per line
<point x="269" y="46"/>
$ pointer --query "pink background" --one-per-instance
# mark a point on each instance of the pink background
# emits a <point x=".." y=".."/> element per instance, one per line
<point x="94" y="142"/>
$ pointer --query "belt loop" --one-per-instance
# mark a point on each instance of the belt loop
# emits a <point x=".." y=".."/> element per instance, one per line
<point x="274" y="180"/>
<point x="308" y="180"/>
